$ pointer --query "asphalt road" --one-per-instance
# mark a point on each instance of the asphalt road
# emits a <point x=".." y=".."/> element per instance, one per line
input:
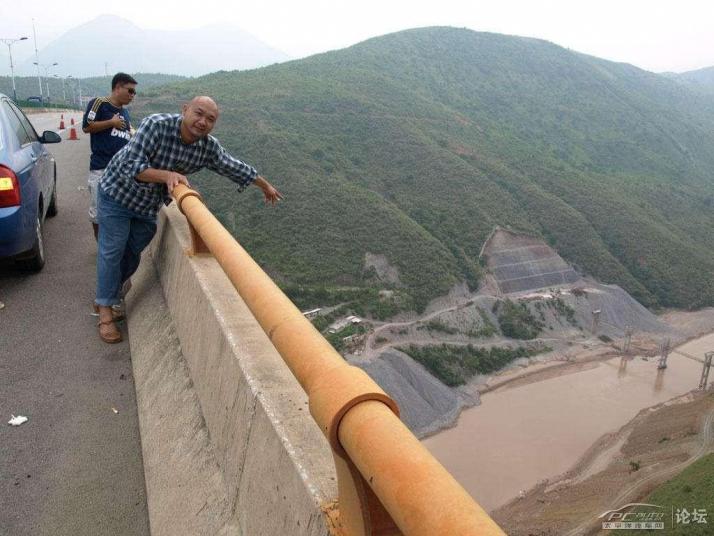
<point x="75" y="467"/>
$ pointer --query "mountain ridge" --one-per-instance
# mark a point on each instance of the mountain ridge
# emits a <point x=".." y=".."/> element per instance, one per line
<point x="450" y="132"/>
<point x="701" y="79"/>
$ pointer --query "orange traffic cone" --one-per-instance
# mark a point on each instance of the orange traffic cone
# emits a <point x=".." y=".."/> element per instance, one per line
<point x="73" y="134"/>
<point x="61" y="122"/>
<point x="71" y="121"/>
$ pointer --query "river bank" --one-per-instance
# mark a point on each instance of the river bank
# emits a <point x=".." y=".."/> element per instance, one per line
<point x="536" y="422"/>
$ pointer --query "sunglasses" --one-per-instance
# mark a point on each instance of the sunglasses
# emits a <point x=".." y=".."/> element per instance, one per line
<point x="131" y="91"/>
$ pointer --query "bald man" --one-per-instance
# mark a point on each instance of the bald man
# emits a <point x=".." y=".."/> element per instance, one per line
<point x="137" y="182"/>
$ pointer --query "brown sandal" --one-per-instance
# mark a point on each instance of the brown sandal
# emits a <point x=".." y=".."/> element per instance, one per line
<point x="108" y="331"/>
<point x="117" y="313"/>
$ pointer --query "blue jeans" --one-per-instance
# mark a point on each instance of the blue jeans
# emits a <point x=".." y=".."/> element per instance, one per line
<point x="123" y="235"/>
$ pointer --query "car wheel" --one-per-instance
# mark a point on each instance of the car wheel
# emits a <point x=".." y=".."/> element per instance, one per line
<point x="36" y="256"/>
<point x="52" y="208"/>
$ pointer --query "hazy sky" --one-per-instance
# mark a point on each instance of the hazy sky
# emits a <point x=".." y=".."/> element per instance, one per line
<point x="654" y="35"/>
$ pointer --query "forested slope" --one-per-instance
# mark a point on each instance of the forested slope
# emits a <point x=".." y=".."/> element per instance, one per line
<point x="415" y="145"/>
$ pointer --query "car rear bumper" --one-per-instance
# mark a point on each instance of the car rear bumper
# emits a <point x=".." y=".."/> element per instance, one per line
<point x="15" y="237"/>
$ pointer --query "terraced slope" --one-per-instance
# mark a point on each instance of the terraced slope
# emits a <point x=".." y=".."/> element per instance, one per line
<point x="519" y="263"/>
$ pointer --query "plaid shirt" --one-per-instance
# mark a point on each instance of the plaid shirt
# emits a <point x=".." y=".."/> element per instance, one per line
<point x="157" y="144"/>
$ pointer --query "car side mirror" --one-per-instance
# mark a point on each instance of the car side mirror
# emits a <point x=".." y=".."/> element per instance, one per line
<point x="50" y="136"/>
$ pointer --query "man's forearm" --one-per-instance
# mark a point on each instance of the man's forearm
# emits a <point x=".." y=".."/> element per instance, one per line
<point x="163" y="176"/>
<point x="261" y="183"/>
<point x="97" y="126"/>
<point x="153" y="175"/>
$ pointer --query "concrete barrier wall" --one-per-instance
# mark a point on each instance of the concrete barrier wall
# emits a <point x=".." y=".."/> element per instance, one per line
<point x="229" y="445"/>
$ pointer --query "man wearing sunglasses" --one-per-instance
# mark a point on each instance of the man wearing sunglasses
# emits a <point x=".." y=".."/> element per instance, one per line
<point x="106" y="120"/>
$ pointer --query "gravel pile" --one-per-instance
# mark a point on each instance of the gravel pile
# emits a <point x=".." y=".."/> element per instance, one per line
<point x="426" y="404"/>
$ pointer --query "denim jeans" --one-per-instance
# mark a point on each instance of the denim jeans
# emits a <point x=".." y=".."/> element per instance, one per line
<point x="123" y="235"/>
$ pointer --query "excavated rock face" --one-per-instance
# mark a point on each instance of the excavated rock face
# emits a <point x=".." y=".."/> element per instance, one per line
<point x="426" y="404"/>
<point x="521" y="263"/>
<point x="384" y="271"/>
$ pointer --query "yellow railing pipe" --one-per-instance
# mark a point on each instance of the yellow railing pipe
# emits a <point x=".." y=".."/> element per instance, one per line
<point x="388" y="483"/>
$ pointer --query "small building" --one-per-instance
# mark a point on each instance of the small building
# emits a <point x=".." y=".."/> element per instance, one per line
<point x="312" y="313"/>
<point x="339" y="325"/>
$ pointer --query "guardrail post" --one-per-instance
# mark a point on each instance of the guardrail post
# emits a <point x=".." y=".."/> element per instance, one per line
<point x="331" y="397"/>
<point x="198" y="246"/>
<point x="359" y="511"/>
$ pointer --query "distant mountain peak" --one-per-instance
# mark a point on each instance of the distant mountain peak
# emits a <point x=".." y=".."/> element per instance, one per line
<point x="108" y="17"/>
<point x="111" y="43"/>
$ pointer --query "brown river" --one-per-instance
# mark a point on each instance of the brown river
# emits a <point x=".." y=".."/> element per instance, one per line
<point x="526" y="433"/>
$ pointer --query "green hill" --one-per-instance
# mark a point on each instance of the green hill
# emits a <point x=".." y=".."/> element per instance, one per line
<point x="415" y="145"/>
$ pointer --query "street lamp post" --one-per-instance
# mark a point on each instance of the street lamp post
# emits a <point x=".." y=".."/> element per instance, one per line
<point x="79" y="87"/>
<point x="46" y="67"/>
<point x="37" y="61"/>
<point x="73" y="98"/>
<point x="9" y="42"/>
<point x="64" y="93"/>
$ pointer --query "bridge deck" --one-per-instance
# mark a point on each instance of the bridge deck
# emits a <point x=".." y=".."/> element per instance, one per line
<point x="75" y="467"/>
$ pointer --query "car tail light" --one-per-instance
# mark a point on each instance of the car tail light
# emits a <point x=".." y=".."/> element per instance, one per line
<point x="9" y="188"/>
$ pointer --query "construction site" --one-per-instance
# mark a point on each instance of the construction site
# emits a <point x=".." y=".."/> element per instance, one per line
<point x="545" y="441"/>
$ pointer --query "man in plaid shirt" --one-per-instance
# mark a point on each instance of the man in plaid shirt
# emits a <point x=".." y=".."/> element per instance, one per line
<point x="139" y="179"/>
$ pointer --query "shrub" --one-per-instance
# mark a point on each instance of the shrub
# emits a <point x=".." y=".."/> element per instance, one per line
<point x="517" y="322"/>
<point x="455" y="365"/>
<point x="435" y="325"/>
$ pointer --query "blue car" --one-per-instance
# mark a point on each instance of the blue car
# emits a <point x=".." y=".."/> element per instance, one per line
<point x="28" y="186"/>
